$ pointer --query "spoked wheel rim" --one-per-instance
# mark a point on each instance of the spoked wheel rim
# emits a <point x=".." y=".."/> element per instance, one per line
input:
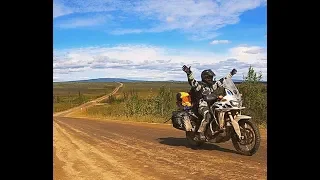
<point x="250" y="143"/>
<point x="249" y="140"/>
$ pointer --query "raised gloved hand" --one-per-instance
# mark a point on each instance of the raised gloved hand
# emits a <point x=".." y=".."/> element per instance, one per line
<point x="186" y="69"/>
<point x="233" y="72"/>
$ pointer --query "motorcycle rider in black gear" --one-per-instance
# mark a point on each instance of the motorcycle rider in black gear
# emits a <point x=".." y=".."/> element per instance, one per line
<point x="203" y="88"/>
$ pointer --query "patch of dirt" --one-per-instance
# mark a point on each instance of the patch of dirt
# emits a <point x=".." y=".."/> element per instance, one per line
<point x="125" y="150"/>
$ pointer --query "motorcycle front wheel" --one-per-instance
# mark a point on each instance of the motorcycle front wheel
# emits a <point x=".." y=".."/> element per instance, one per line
<point x="251" y="142"/>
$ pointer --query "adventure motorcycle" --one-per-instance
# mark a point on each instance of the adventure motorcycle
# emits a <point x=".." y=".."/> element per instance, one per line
<point x="226" y="123"/>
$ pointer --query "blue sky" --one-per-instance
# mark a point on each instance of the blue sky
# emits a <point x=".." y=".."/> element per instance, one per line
<point x="152" y="39"/>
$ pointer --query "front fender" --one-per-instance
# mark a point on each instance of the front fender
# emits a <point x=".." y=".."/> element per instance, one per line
<point x="239" y="117"/>
<point x="235" y="123"/>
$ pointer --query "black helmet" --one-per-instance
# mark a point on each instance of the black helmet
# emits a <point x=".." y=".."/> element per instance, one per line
<point x="207" y="76"/>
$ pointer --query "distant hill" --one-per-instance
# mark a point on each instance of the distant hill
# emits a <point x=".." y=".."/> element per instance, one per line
<point x="131" y="80"/>
<point x="107" y="80"/>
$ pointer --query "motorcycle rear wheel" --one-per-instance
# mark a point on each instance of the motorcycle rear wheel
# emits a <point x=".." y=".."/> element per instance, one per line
<point x="251" y="134"/>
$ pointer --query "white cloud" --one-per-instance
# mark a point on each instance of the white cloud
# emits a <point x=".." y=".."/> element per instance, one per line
<point x="248" y="54"/>
<point x="202" y="18"/>
<point x="60" y="10"/>
<point x="255" y="50"/>
<point x="145" y="61"/>
<point x="203" y="35"/>
<point x="199" y="19"/>
<point x="83" y="22"/>
<point x="169" y="19"/>
<point x="214" y="42"/>
<point x="126" y="31"/>
<point x="65" y="7"/>
<point x="55" y="78"/>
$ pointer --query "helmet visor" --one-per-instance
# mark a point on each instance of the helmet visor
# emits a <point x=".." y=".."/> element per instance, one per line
<point x="208" y="78"/>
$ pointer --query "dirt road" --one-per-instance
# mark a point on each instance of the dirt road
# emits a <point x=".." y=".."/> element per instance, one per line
<point x="93" y="149"/>
<point x="86" y="105"/>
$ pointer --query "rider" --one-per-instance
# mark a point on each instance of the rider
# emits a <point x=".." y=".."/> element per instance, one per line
<point x="207" y="85"/>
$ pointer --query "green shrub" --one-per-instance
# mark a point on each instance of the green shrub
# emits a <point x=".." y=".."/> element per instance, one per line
<point x="135" y="102"/>
<point x="254" y="94"/>
<point x="67" y="95"/>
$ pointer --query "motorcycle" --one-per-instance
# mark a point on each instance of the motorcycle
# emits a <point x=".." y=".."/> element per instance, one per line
<point x="227" y="122"/>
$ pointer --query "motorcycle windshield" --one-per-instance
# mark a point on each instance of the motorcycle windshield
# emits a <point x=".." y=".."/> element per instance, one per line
<point x="232" y="90"/>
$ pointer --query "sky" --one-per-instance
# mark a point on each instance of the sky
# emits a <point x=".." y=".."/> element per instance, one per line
<point x="153" y="39"/>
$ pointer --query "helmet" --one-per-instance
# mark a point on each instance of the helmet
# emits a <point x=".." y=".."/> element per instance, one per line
<point x="207" y="76"/>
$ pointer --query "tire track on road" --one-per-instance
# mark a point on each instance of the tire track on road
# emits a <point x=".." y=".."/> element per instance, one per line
<point x="162" y="158"/>
<point x="85" y="161"/>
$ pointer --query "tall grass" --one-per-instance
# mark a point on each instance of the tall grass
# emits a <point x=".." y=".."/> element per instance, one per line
<point x="255" y="100"/>
<point x="70" y="94"/>
<point x="131" y="104"/>
<point x="154" y="101"/>
<point x="254" y="96"/>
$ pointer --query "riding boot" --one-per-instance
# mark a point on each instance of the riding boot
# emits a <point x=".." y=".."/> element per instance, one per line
<point x="203" y="126"/>
<point x="201" y="129"/>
